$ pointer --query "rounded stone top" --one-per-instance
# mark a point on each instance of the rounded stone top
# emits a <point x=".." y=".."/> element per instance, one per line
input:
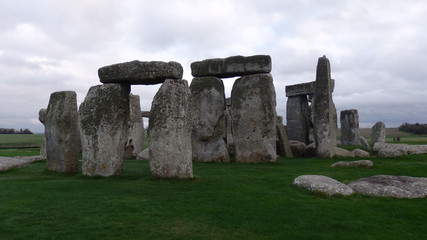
<point x="138" y="72"/>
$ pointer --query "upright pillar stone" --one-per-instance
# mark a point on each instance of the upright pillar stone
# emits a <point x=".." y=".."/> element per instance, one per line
<point x="229" y="127"/>
<point x="42" y="119"/>
<point x="62" y="132"/>
<point x="136" y="130"/>
<point x="104" y="116"/>
<point x="378" y="133"/>
<point x="350" y="127"/>
<point x="254" y="118"/>
<point x="170" y="127"/>
<point x="208" y="104"/>
<point x="324" y="107"/>
<point x="298" y="118"/>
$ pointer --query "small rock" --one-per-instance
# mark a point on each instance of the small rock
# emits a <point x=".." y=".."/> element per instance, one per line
<point x="322" y="184"/>
<point x="359" y="163"/>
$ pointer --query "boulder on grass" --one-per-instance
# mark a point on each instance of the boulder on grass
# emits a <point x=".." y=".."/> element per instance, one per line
<point x="323" y="184"/>
<point x="359" y="163"/>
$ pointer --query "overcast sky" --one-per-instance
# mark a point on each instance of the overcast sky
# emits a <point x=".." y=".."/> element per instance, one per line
<point x="377" y="48"/>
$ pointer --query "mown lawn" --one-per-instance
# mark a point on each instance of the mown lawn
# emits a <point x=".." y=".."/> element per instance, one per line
<point x="21" y="140"/>
<point x="224" y="201"/>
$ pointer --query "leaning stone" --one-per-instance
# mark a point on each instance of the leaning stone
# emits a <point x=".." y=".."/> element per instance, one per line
<point x="62" y="132"/>
<point x="144" y="155"/>
<point x="232" y="66"/>
<point x="323" y="184"/>
<point x="297" y="148"/>
<point x="360" y="153"/>
<point x="391" y="186"/>
<point x="364" y="143"/>
<point x="283" y="142"/>
<point x="350" y="127"/>
<point x="378" y="133"/>
<point x="137" y="72"/>
<point x="324" y="111"/>
<point x="170" y="128"/>
<point x="136" y="130"/>
<point x="340" y="152"/>
<point x="253" y="112"/>
<point x="208" y="104"/>
<point x="104" y="116"/>
<point x="359" y="163"/>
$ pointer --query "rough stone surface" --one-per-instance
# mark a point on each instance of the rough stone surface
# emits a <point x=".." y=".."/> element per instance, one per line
<point x="310" y="150"/>
<point x="254" y="118"/>
<point x="364" y="143"/>
<point x="391" y="186"/>
<point x="324" y="111"/>
<point x="209" y="129"/>
<point x="144" y="155"/>
<point x="62" y="132"/>
<point x="42" y="115"/>
<point x="137" y="72"/>
<point x="283" y="145"/>
<point x="7" y="163"/>
<point x="303" y="89"/>
<point x="359" y="163"/>
<point x="136" y="129"/>
<point x="397" y="150"/>
<point x="104" y="116"/>
<point x="350" y="127"/>
<point x="297" y="148"/>
<point x="298" y="118"/>
<point x="232" y="66"/>
<point x="145" y="114"/>
<point x="170" y="128"/>
<point x="42" y="119"/>
<point x="340" y="152"/>
<point x="360" y="153"/>
<point x="378" y="133"/>
<point x="229" y="129"/>
<point x="326" y="185"/>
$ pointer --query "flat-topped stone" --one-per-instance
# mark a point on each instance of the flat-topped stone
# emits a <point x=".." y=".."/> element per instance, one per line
<point x="138" y="72"/>
<point x="232" y="66"/>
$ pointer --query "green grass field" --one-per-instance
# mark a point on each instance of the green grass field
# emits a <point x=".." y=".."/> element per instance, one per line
<point x="224" y="201"/>
<point x="21" y="140"/>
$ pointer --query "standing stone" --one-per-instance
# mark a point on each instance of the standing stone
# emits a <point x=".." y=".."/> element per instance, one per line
<point x="229" y="127"/>
<point x="208" y="104"/>
<point x="170" y="127"/>
<point x="254" y="118"/>
<point x="324" y="111"/>
<point x="62" y="132"/>
<point x="298" y="118"/>
<point x="104" y="116"/>
<point x="350" y="127"/>
<point x="136" y="130"/>
<point x="378" y="133"/>
<point x="42" y="119"/>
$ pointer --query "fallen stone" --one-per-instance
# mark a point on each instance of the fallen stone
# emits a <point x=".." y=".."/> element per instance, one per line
<point x="364" y="143"/>
<point x="144" y="155"/>
<point x="7" y="163"/>
<point x="253" y="112"/>
<point x="62" y="132"/>
<point x="360" y="153"/>
<point x="232" y="66"/>
<point x="137" y="72"/>
<point x="359" y="163"/>
<point x="170" y="127"/>
<point x="396" y="150"/>
<point x="391" y="186"/>
<point x="323" y="184"/>
<point x="297" y="148"/>
<point x="340" y="152"/>
<point x="104" y="116"/>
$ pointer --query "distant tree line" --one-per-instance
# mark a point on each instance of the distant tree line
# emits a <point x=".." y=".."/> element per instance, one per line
<point x="416" y="128"/>
<point x="13" y="131"/>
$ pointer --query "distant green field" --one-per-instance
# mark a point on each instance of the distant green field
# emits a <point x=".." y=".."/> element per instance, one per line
<point x="21" y="140"/>
<point x="406" y="138"/>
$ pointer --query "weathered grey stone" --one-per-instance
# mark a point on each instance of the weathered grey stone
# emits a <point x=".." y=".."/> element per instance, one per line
<point x="42" y="115"/>
<point x="350" y="127"/>
<point x="297" y="148"/>
<point x="324" y="111"/>
<point x="62" y="132"/>
<point x="7" y="163"/>
<point x="378" y="133"/>
<point x="42" y="119"/>
<point x="104" y="116"/>
<point x="232" y="66"/>
<point x="360" y="153"/>
<point x="209" y="129"/>
<point x="170" y="128"/>
<point x="359" y="163"/>
<point x="304" y="89"/>
<point x="283" y="145"/>
<point x="144" y="155"/>
<point x="229" y="129"/>
<point x="310" y="150"/>
<point x="391" y="186"/>
<point x="364" y="143"/>
<point x="137" y="72"/>
<point x="254" y="118"/>
<point x="340" y="152"/>
<point x="145" y="114"/>
<point x="136" y="130"/>
<point x="397" y="150"/>
<point x="326" y="185"/>
<point x="298" y="119"/>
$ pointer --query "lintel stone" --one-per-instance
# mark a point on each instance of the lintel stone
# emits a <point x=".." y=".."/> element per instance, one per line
<point x="304" y="89"/>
